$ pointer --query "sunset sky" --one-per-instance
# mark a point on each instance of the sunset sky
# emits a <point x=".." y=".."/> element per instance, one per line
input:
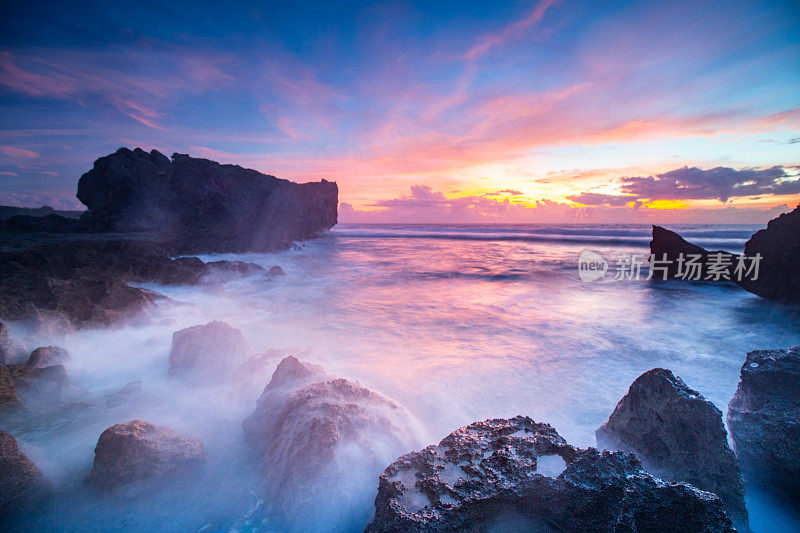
<point x="549" y="111"/>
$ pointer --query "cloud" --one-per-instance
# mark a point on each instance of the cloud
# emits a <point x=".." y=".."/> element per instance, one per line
<point x="721" y="183"/>
<point x="593" y="198"/>
<point x="18" y="153"/>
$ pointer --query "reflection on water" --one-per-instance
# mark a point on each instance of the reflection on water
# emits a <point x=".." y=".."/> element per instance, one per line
<point x="456" y="323"/>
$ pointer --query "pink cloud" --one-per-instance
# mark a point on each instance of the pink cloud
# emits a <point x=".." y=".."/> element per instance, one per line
<point x="18" y="153"/>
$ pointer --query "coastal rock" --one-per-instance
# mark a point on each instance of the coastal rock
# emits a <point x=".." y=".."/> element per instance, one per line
<point x="779" y="247"/>
<point x="51" y="223"/>
<point x="138" y="451"/>
<point x="319" y="440"/>
<point x="679" y="436"/>
<point x="10" y="350"/>
<point x="22" y="484"/>
<point x="45" y="356"/>
<point x="521" y="475"/>
<point x="276" y="270"/>
<point x="210" y="352"/>
<point x="202" y="206"/>
<point x="668" y="246"/>
<point x="38" y="388"/>
<point x="764" y="420"/>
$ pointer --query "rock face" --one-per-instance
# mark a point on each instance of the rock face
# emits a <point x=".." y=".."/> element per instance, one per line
<point x="668" y="244"/>
<point x="203" y="206"/>
<point x="138" y="451"/>
<point x="779" y="246"/>
<point x="679" y="436"/>
<point x="764" y="420"/>
<point x="10" y="350"/>
<point x="39" y="388"/>
<point x="21" y="483"/>
<point x="319" y="440"/>
<point x="45" y="356"/>
<point x="210" y="352"/>
<point x="778" y="270"/>
<point x="519" y="475"/>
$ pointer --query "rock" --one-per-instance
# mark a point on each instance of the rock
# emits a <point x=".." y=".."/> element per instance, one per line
<point x="202" y="206"/>
<point x="779" y="247"/>
<point x="764" y="421"/>
<point x="275" y="270"/>
<point x="22" y="484"/>
<point x="51" y="223"/>
<point x="679" y="436"/>
<point x="38" y="388"/>
<point x="319" y="440"/>
<point x="45" y="356"/>
<point x="139" y="451"/>
<point x="210" y="352"/>
<point x="668" y="244"/>
<point x="520" y="475"/>
<point x="10" y="350"/>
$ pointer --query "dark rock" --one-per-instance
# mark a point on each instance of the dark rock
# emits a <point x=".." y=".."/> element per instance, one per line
<point x="39" y="388"/>
<point x="49" y="224"/>
<point x="10" y="350"/>
<point x="668" y="246"/>
<point x="45" y="356"/>
<point x="203" y="206"/>
<point x="764" y="420"/>
<point x="276" y="270"/>
<point x="210" y="352"/>
<point x="7" y="211"/>
<point x="233" y="269"/>
<point x="679" y="436"/>
<point x="22" y="484"/>
<point x="319" y="440"/>
<point x="139" y="451"/>
<point x="517" y="473"/>
<point x="779" y="247"/>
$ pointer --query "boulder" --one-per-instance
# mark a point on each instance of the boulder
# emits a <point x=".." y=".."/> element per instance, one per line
<point x="668" y="245"/>
<point x="779" y="247"/>
<point x="140" y="451"/>
<point x="521" y="475"/>
<point x="210" y="352"/>
<point x="764" y="421"/>
<point x="275" y="270"/>
<point x="36" y="388"/>
<point x="22" y="484"/>
<point x="45" y="356"/>
<point x="202" y="206"/>
<point x="679" y="436"/>
<point x="318" y="441"/>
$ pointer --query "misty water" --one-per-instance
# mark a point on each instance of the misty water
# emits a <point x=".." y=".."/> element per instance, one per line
<point x="456" y="323"/>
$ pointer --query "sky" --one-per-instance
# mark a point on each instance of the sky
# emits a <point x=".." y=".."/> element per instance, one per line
<point x="468" y="111"/>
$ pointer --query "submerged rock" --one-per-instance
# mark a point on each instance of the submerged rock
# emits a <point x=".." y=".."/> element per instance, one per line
<point x="22" y="484"/>
<point x="138" y="451"/>
<point x="679" y="436"/>
<point x="276" y="270"/>
<point x="202" y="206"/>
<point x="764" y="420"/>
<point x="210" y="352"/>
<point x="45" y="356"/>
<point x="319" y="440"/>
<point x="519" y="474"/>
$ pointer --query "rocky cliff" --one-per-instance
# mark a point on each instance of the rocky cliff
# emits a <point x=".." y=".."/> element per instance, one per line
<point x="201" y="205"/>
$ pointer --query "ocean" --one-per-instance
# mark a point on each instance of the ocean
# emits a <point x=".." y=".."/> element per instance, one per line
<point x="457" y="323"/>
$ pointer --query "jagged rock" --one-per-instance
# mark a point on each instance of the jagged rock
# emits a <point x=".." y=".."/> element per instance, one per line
<point x="275" y="270"/>
<point x="679" y="436"/>
<point x="319" y="440"/>
<point x="45" y="356"/>
<point x="779" y="247"/>
<point x="138" y="451"/>
<point x="668" y="244"/>
<point x="210" y="352"/>
<point x="22" y="484"/>
<point x="764" y="420"/>
<point x="519" y="475"/>
<point x="37" y="388"/>
<point x="10" y="350"/>
<point x="203" y="206"/>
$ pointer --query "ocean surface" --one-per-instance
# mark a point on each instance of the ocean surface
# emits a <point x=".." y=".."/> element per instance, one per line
<point x="457" y="323"/>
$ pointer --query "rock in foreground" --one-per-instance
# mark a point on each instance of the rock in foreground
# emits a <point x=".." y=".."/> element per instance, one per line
<point x="764" y="420"/>
<point x="679" y="436"/>
<point x="21" y="483"/>
<point x="210" y="352"/>
<point x="202" y="206"/>
<point x="519" y="475"/>
<point x="138" y="451"/>
<point x="36" y="388"/>
<point x="319" y="442"/>
<point x="45" y="356"/>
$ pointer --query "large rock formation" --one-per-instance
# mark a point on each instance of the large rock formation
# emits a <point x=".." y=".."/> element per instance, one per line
<point x="139" y="451"/>
<point x="319" y="441"/>
<point x="764" y="420"/>
<point x="203" y="206"/>
<point x="519" y="475"/>
<point x="679" y="436"/>
<point x="22" y="484"/>
<point x="778" y="277"/>
<point x="668" y="246"/>
<point x="211" y="352"/>
<point x="45" y="356"/>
